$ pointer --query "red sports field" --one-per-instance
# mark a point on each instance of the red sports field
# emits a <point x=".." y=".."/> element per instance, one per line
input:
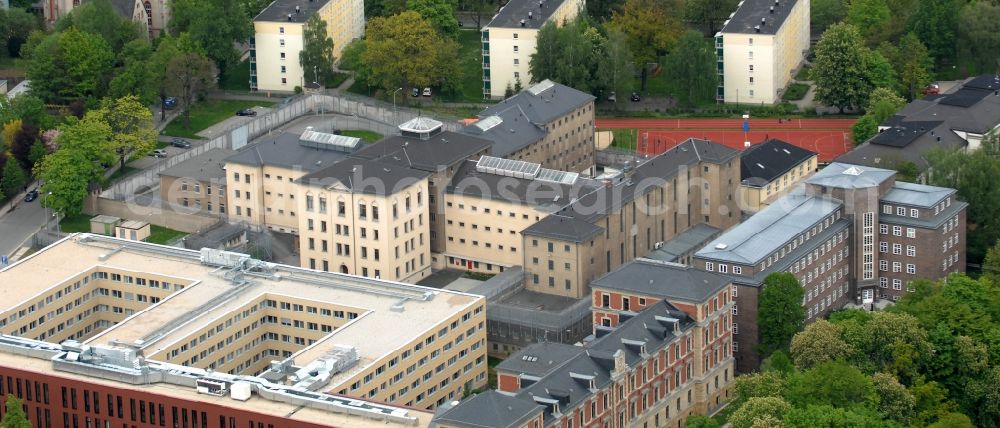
<point x="828" y="137"/>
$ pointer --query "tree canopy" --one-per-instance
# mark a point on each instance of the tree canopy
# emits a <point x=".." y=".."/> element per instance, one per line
<point x="845" y="71"/>
<point x="652" y="27"/>
<point x="779" y="312"/>
<point x="14" y="417"/>
<point x="404" y="50"/>
<point x="316" y="56"/>
<point x="99" y="17"/>
<point x="69" y="65"/>
<point x="692" y="69"/>
<point x="215" y="25"/>
<point x="440" y="13"/>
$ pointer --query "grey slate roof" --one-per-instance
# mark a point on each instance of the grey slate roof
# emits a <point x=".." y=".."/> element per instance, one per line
<point x="546" y="195"/>
<point x="750" y="13"/>
<point x="847" y="176"/>
<point x="918" y="195"/>
<point x="279" y="10"/>
<point x="932" y="122"/>
<point x="286" y="151"/>
<point x="490" y="409"/>
<point x="539" y="359"/>
<point x="204" y="167"/>
<point x="663" y="280"/>
<point x="692" y="239"/>
<point x="514" y="11"/>
<point x="364" y="176"/>
<point x="514" y="132"/>
<point x="767" y="231"/>
<point x="575" y="222"/>
<point x="543" y="102"/>
<point x="925" y="222"/>
<point x="764" y="162"/>
<point x="438" y="152"/>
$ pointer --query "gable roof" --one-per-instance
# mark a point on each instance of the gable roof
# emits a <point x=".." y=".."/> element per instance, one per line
<point x="767" y="161"/>
<point x="204" y="167"/>
<point x="490" y="409"/>
<point x="439" y="151"/>
<point x="364" y="176"/>
<point x="286" y="151"/>
<point x="543" y="102"/>
<point x="663" y="280"/>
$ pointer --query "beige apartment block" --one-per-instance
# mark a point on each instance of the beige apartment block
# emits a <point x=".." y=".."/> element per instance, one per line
<point x="197" y="185"/>
<point x="770" y="169"/>
<point x="152" y="15"/>
<point x="694" y="183"/>
<point x="220" y="317"/>
<point x="548" y="124"/>
<point x="759" y="49"/>
<point x="260" y="178"/>
<point x="277" y="41"/>
<point x="509" y="40"/>
<point x="365" y="218"/>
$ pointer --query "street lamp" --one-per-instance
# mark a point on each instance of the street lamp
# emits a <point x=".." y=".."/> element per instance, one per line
<point x="395" y="113"/>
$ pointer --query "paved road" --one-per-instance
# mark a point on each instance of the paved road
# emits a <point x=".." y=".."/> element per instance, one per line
<point x="19" y="224"/>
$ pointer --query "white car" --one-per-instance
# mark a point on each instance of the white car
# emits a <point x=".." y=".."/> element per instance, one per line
<point x="158" y="153"/>
<point x="427" y="92"/>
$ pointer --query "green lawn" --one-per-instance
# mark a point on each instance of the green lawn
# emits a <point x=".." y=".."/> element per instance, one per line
<point x="365" y="136"/>
<point x="656" y="86"/>
<point x="470" y="59"/>
<point x="795" y="92"/>
<point x="208" y="113"/>
<point x="236" y="78"/>
<point x="624" y="138"/>
<point x="162" y="235"/>
<point x="75" y="223"/>
<point x="803" y="74"/>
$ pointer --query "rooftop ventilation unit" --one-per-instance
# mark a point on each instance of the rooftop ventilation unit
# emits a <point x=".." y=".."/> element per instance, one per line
<point x="721" y="246"/>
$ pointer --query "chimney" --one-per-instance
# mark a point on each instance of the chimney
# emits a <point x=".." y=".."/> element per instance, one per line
<point x="772" y="9"/>
<point x="529" y="15"/>
<point x="777" y="3"/>
<point x="541" y="4"/>
<point x="756" y="28"/>
<point x="763" y="21"/>
<point x="289" y="17"/>
<point x="522" y="22"/>
<point x="297" y="10"/>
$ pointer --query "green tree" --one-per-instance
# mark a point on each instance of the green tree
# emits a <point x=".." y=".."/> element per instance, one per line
<point x="883" y="103"/>
<point x="779" y="312"/>
<point x="652" y="28"/>
<point x="936" y="23"/>
<point x="894" y="401"/>
<point x="759" y="384"/>
<point x="879" y="72"/>
<point x="708" y="13"/>
<point x="778" y="362"/>
<point x="13" y="179"/>
<point x="953" y="420"/>
<point x="569" y="55"/>
<point x="912" y="63"/>
<point x="888" y="342"/>
<point x="384" y="8"/>
<point x="758" y="408"/>
<point x="131" y="125"/>
<point x="68" y="66"/>
<point x="699" y="421"/>
<point x="832" y="383"/>
<point x="815" y="416"/>
<point x="825" y="13"/>
<point x="404" y="50"/>
<point x="37" y="153"/>
<point x="190" y="76"/>
<point x="99" y="17"/>
<point x="316" y="56"/>
<point x="480" y="9"/>
<point x="617" y="69"/>
<point x="15" y="416"/>
<point x="840" y="70"/>
<point x="136" y="76"/>
<point x="973" y="174"/>
<point x="979" y="34"/>
<point x="15" y="26"/>
<point x="159" y="61"/>
<point x="870" y="17"/>
<point x="215" y="25"/>
<point x="932" y="403"/>
<point x="84" y="145"/>
<point x="28" y="108"/>
<point x="440" y="13"/>
<point x="820" y="342"/>
<point x="691" y="66"/>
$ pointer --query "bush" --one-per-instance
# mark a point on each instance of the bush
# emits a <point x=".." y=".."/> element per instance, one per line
<point x="795" y="92"/>
<point x="298" y="90"/>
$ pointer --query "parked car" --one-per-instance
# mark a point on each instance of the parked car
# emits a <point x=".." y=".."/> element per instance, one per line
<point x="180" y="142"/>
<point x="427" y="92"/>
<point x="416" y="92"/>
<point x="612" y="97"/>
<point x="158" y="153"/>
<point x="932" y="89"/>
<point x="635" y="97"/>
<point x="30" y="196"/>
<point x="169" y="103"/>
<point x="247" y="112"/>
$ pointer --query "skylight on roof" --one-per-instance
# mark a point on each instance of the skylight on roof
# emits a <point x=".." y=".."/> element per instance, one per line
<point x="854" y="170"/>
<point x="540" y="87"/>
<point x="487" y="123"/>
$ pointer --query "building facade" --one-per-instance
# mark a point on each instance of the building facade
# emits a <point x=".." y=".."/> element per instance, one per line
<point x="152" y="15"/>
<point x="770" y="169"/>
<point x="653" y="369"/>
<point x="161" y="319"/>
<point x="849" y="235"/>
<point x="759" y="48"/>
<point x="548" y="124"/>
<point x="509" y="40"/>
<point x="278" y="39"/>
<point x="197" y="185"/>
<point x="626" y="216"/>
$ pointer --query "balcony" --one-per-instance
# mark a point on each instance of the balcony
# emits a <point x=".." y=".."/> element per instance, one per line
<point x="486" y="66"/>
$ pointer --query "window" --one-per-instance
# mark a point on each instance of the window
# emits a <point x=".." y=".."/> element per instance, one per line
<point x="901" y="211"/>
<point x="886" y="209"/>
<point x="737" y="270"/>
<point x="911" y="268"/>
<point x="897" y="231"/>
<point x="515" y="48"/>
<point x="883" y="229"/>
<point x="911" y="250"/>
<point x="911" y="232"/>
<point x="883" y="282"/>
<point x="914" y="212"/>
<point x="516" y="61"/>
<point x="709" y="266"/>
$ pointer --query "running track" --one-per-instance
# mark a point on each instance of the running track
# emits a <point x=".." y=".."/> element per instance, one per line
<point x="828" y="137"/>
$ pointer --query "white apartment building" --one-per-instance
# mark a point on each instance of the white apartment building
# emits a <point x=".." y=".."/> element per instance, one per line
<point x="759" y="48"/>
<point x="509" y="40"/>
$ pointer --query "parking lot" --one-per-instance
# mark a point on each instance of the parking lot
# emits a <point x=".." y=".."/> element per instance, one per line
<point x="214" y="130"/>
